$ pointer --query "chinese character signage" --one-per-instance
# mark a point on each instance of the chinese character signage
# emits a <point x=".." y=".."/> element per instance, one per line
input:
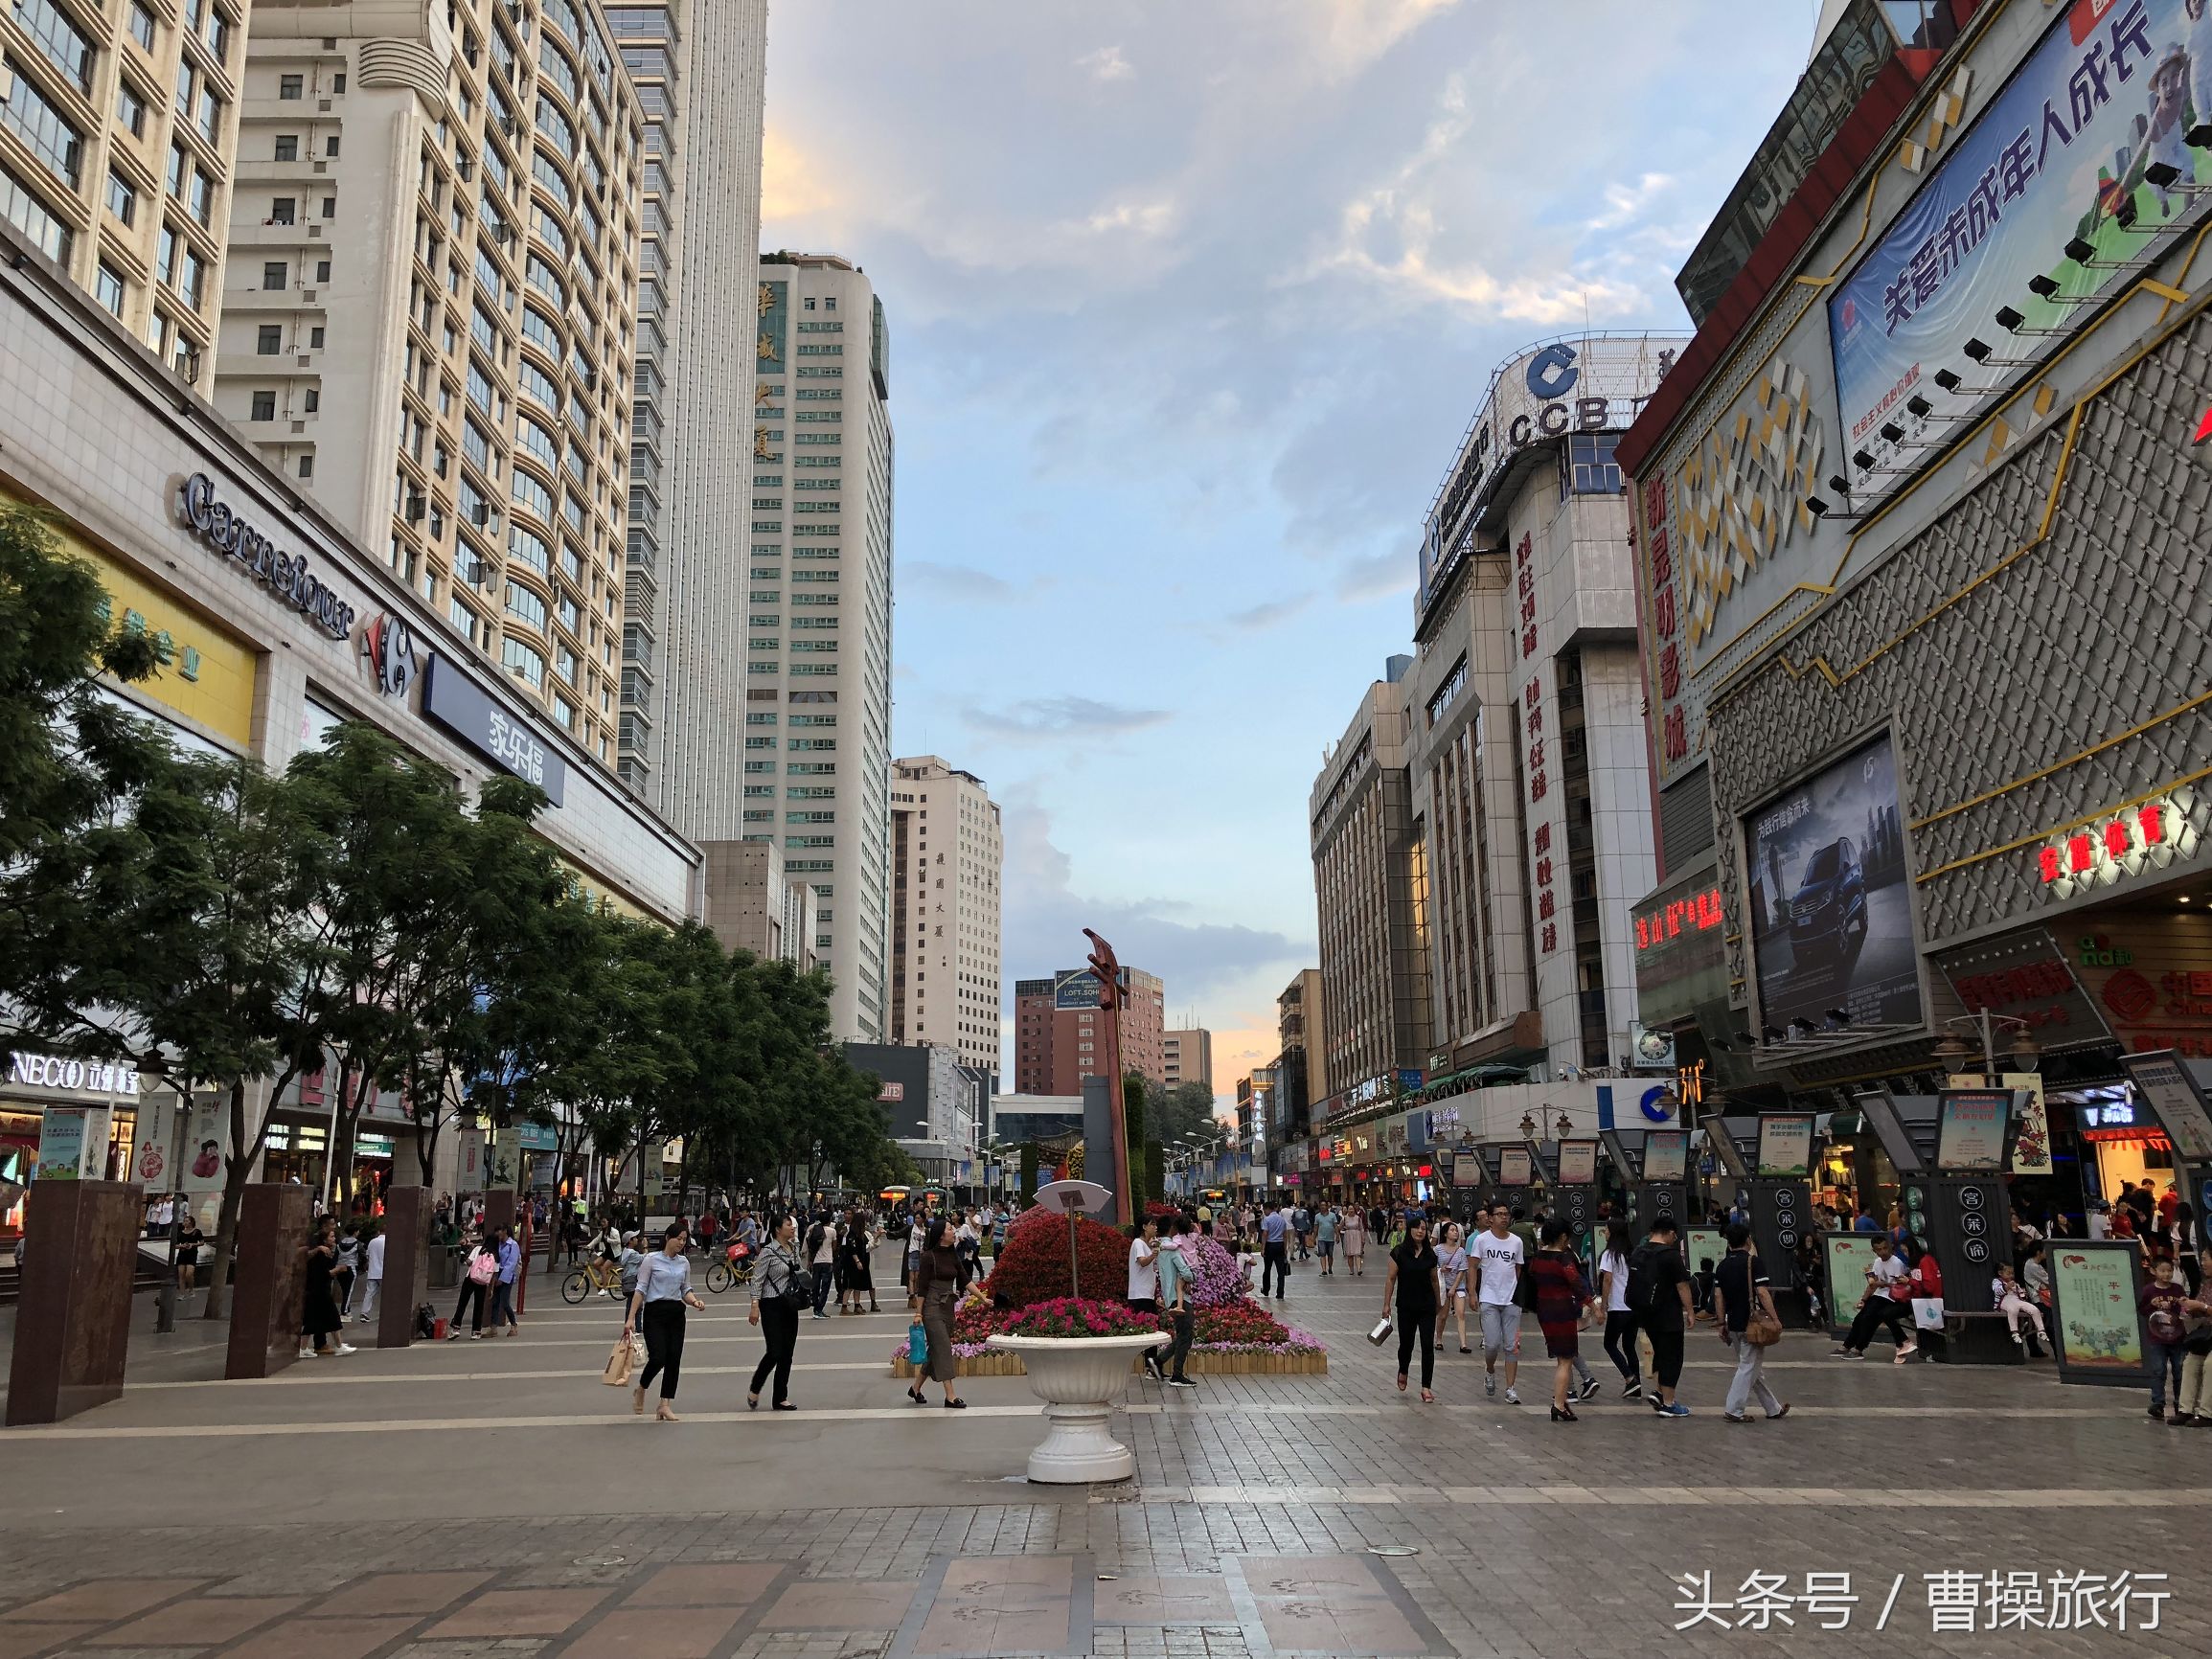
<point x="2084" y="144"/>
<point x="507" y="740"/>
<point x="2095" y="1327"/>
<point x="1969" y="1137"/>
<point x="1830" y="918"/>
<point x="2098" y="853"/>
<point x="2024" y="976"/>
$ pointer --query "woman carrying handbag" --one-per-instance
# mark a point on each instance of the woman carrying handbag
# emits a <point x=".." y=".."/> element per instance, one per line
<point x="1750" y="1325"/>
<point x="664" y="1291"/>
<point x="784" y="1284"/>
<point x="936" y="1289"/>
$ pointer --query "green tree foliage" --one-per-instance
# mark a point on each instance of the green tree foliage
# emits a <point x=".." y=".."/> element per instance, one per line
<point x="1134" y="1091"/>
<point x="1186" y="1109"/>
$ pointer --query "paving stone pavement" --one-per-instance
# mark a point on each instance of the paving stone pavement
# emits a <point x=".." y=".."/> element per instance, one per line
<point x="492" y="1499"/>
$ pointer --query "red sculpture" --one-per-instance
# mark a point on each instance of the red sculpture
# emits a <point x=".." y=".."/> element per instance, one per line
<point x="1112" y="997"/>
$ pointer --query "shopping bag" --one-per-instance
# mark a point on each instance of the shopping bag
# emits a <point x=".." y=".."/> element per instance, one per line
<point x="1928" y="1312"/>
<point x="1382" y="1331"/>
<point x="637" y="1350"/>
<point x="618" y="1365"/>
<point x="918" y="1345"/>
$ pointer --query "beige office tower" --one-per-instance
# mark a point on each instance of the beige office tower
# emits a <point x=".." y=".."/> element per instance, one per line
<point x="946" y="854"/>
<point x="431" y="309"/>
<point x="118" y="130"/>
<point x="698" y="68"/>
<point x="817" y="753"/>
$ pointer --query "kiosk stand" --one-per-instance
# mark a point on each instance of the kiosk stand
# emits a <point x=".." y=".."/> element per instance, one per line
<point x="1769" y="1158"/>
<point x="2169" y="1086"/>
<point x="1575" y="1172"/>
<point x="1656" y="1164"/>
<point x="1951" y="1151"/>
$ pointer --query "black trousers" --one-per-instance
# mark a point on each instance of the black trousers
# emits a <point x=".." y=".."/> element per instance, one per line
<point x="1185" y="1323"/>
<point x="1621" y="1342"/>
<point x="1417" y="1324"/>
<point x="471" y="1291"/>
<point x="823" y="1273"/>
<point x="1147" y="1305"/>
<point x="664" y="1346"/>
<point x="1879" y="1310"/>
<point x="1274" y="1258"/>
<point x="1666" y="1355"/>
<point x="780" y="1326"/>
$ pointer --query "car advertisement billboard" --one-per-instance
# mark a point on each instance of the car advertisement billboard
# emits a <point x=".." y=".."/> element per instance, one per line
<point x="2088" y="135"/>
<point x="1831" y="918"/>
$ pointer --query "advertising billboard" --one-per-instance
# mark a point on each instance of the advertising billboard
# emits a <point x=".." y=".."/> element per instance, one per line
<point x="1969" y="1130"/>
<point x="1577" y="1162"/>
<point x="2070" y="151"/>
<point x="1786" y="1145"/>
<point x="1666" y="1154"/>
<point x="2173" y="1095"/>
<point x="488" y="726"/>
<point x="2097" y="1330"/>
<point x="1513" y="1169"/>
<point x="1830" y="918"/>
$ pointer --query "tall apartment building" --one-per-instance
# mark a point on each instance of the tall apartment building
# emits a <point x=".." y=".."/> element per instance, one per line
<point x="698" y="66"/>
<point x="1187" y="1057"/>
<point x="117" y="133"/>
<point x="1370" y="881"/>
<point x="1057" y="1040"/>
<point x="1302" y="1067"/>
<point x="752" y="904"/>
<point x="430" y="311"/>
<point x="817" y="758"/>
<point x="946" y="854"/>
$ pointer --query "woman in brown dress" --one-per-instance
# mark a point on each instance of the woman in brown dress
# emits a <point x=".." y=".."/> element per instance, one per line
<point x="1560" y="1299"/>
<point x="936" y="1291"/>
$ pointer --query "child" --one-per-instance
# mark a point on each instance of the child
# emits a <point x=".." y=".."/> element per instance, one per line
<point x="1247" y="1256"/>
<point x="2010" y="1298"/>
<point x="2163" y="1305"/>
<point x="1701" y="1290"/>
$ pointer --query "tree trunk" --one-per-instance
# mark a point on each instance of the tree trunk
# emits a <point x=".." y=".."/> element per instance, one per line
<point x="238" y="1165"/>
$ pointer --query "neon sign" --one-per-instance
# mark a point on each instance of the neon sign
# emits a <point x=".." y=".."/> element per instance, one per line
<point x="2125" y="843"/>
<point x="1697" y="913"/>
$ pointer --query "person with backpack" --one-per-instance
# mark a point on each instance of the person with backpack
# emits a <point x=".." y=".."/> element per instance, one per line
<point x="477" y="1277"/>
<point x="1660" y="1292"/>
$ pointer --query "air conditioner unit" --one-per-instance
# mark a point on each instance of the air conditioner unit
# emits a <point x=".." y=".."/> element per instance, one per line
<point x="323" y="104"/>
<point x="322" y="165"/>
<point x="314" y="230"/>
<point x="307" y="295"/>
<point x="481" y="514"/>
<point x="299" y="426"/>
<point x="466" y="166"/>
<point x="415" y="509"/>
<point x="303" y="361"/>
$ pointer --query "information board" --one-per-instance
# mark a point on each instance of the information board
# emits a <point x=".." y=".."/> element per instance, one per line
<point x="1847" y="1257"/>
<point x="1514" y="1167"/>
<point x="2173" y="1094"/>
<point x="1970" y="1136"/>
<point x="1577" y="1162"/>
<point x="2096" y="1332"/>
<point x="1666" y="1154"/>
<point x="1786" y="1145"/>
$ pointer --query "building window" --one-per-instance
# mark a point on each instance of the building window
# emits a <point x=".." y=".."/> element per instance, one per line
<point x="1593" y="470"/>
<point x="264" y="406"/>
<point x="108" y="285"/>
<point x="307" y="466"/>
<point x="268" y="340"/>
<point x="130" y="110"/>
<point x="288" y="146"/>
<point x="284" y="210"/>
<point x="331" y="145"/>
<point x="43" y="127"/>
<point x="273" y="273"/>
<point x="122" y="199"/>
<point x="142" y="25"/>
<point x="64" y="44"/>
<point x="292" y="87"/>
<point x="523" y="663"/>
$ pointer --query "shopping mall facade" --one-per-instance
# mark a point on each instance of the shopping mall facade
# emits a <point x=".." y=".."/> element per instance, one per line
<point x="280" y="625"/>
<point x="1922" y="517"/>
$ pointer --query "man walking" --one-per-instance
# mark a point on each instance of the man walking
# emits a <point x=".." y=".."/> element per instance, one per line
<point x="1145" y="1283"/>
<point x="503" y="1320"/>
<point x="1742" y="1284"/>
<point x="822" y="1257"/>
<point x="1659" y="1290"/>
<point x="1274" y="1254"/>
<point x="1499" y="1261"/>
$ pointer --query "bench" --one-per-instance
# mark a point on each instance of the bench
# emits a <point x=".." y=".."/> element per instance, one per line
<point x="1979" y="1337"/>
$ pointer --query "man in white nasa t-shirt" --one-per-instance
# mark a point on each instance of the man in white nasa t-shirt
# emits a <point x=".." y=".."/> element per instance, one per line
<point x="1498" y="1259"/>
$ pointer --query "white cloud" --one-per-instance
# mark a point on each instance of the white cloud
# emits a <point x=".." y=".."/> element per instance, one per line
<point x="1105" y="64"/>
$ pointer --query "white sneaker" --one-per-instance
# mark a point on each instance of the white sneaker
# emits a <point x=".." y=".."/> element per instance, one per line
<point x="1512" y="1397"/>
<point x="306" y="1354"/>
<point x="346" y="1348"/>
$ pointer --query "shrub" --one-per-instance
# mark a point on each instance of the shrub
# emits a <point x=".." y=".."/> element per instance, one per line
<point x="1064" y="1316"/>
<point x="1033" y="1266"/>
<point x="1155" y="1211"/>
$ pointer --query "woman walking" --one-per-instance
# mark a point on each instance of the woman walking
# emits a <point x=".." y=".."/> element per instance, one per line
<point x="783" y="1281"/>
<point x="1451" y="1283"/>
<point x="1558" y="1277"/>
<point x="319" y="1319"/>
<point x="1620" y="1318"/>
<point x="664" y="1291"/>
<point x="853" y="1254"/>
<point x="478" y="1273"/>
<point x="1413" y="1278"/>
<point x="936" y="1289"/>
<point x="1355" y="1237"/>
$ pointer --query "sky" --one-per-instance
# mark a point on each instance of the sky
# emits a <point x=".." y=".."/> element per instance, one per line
<point x="1190" y="303"/>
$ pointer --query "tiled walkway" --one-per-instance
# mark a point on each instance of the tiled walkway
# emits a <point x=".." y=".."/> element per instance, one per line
<point x="489" y="1499"/>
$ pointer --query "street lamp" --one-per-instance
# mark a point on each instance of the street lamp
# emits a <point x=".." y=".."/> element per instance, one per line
<point x="1952" y="1051"/>
<point x="1527" y="1127"/>
<point x="1564" y="1127"/>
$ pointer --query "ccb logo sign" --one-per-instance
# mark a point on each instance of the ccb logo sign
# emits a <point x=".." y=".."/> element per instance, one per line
<point x="1654" y="1104"/>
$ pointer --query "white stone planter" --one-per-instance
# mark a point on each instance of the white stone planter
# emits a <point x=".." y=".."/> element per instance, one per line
<point x="1079" y="1378"/>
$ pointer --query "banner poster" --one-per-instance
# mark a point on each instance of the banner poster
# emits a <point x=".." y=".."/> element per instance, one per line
<point x="61" y="1139"/>
<point x="1577" y="1162"/>
<point x="2094" y="1319"/>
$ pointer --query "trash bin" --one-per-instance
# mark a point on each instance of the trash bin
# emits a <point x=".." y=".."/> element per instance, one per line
<point x="445" y="1268"/>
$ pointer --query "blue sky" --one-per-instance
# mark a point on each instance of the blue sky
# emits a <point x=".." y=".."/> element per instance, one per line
<point x="1190" y="303"/>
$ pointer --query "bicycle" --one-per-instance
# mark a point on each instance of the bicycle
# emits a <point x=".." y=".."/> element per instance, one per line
<point x="734" y="1269"/>
<point x="581" y="1282"/>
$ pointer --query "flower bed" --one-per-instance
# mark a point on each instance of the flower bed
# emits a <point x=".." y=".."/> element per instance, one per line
<point x="1239" y="1328"/>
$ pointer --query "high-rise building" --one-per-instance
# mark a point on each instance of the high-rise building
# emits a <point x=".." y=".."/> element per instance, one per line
<point x="1301" y="1069"/>
<point x="1057" y="1040"/>
<point x="1531" y="780"/>
<point x="1187" y="1057"/>
<point x="430" y="315"/>
<point x="698" y="68"/>
<point x="118" y="133"/>
<point x="1371" y="887"/>
<point x="818" y="757"/>
<point x="947" y="853"/>
<point x="752" y="904"/>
